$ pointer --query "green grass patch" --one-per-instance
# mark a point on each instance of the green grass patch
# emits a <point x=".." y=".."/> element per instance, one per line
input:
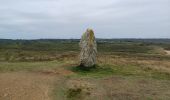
<point x="129" y="70"/>
<point x="96" y="71"/>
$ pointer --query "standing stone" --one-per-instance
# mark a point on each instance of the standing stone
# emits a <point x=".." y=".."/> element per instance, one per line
<point x="88" y="49"/>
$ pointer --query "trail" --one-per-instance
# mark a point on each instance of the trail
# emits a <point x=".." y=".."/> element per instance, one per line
<point x="25" y="86"/>
<point x="168" y="52"/>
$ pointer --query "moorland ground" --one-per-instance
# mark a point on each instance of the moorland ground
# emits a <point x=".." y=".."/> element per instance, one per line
<point x="47" y="70"/>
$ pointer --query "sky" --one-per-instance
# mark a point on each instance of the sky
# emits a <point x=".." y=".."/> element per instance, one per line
<point x="41" y="19"/>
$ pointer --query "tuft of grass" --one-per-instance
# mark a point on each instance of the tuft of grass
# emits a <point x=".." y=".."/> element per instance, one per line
<point x="74" y="93"/>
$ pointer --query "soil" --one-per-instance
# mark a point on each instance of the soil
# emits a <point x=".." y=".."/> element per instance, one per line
<point x="25" y="86"/>
<point x="168" y="52"/>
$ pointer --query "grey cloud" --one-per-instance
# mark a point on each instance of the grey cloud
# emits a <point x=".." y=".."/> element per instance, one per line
<point x="68" y="19"/>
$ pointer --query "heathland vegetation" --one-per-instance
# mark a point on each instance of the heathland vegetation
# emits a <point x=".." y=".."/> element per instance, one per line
<point x="45" y="69"/>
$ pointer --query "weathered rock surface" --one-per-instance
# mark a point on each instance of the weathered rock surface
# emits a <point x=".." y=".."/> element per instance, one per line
<point x="88" y="49"/>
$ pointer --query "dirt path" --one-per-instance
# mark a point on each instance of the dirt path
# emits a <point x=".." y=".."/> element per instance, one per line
<point x="168" y="52"/>
<point x="25" y="86"/>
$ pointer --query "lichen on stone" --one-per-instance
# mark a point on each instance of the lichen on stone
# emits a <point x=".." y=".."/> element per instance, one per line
<point x="88" y="49"/>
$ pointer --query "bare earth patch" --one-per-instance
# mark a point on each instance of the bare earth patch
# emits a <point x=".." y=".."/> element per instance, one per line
<point x="168" y="52"/>
<point x="25" y="86"/>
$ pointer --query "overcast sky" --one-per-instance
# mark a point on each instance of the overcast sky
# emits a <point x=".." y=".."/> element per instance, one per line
<point x="34" y="19"/>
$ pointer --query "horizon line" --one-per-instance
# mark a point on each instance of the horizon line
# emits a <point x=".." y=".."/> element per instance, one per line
<point x="71" y="38"/>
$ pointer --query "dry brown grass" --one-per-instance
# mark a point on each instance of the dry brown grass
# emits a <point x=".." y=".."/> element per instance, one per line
<point x="60" y="82"/>
<point x="118" y="88"/>
<point x="161" y="65"/>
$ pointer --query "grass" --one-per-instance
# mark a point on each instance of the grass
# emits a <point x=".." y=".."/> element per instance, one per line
<point x="74" y="93"/>
<point x="98" y="71"/>
<point x="47" y="50"/>
<point x="124" y="69"/>
<point x="28" y="66"/>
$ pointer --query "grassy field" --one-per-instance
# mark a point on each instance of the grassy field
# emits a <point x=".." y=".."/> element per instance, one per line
<point x="47" y="70"/>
